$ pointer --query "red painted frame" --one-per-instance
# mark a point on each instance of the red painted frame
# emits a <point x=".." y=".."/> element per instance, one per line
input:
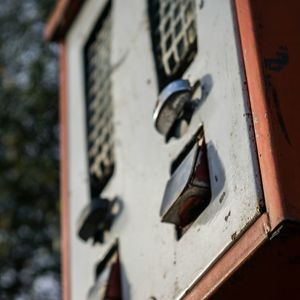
<point x="269" y="32"/>
<point x="64" y="183"/>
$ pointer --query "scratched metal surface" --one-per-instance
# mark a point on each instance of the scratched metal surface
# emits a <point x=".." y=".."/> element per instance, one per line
<point x="154" y="264"/>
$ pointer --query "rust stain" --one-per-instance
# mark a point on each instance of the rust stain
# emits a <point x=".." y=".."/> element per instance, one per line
<point x="234" y="236"/>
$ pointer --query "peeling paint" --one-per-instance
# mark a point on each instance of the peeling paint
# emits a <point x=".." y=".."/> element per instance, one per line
<point x="227" y="216"/>
<point x="222" y="197"/>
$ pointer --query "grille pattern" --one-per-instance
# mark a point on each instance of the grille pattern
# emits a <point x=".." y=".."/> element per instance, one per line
<point x="174" y="36"/>
<point x="99" y="105"/>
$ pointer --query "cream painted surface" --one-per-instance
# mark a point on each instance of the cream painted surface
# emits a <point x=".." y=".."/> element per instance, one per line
<point x="154" y="264"/>
<point x="83" y="257"/>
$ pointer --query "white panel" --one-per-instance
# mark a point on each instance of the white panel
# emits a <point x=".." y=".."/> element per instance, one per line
<point x="83" y="256"/>
<point x="154" y="264"/>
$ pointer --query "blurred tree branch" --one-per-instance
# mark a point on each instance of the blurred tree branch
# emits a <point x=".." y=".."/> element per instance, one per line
<point x="29" y="234"/>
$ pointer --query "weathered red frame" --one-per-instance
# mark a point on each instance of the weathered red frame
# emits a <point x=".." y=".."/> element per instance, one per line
<point x="264" y="26"/>
<point x="64" y="184"/>
<point x="56" y="29"/>
<point x="275" y="112"/>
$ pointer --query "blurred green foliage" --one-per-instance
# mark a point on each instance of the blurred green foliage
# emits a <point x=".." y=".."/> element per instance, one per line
<point x="29" y="229"/>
